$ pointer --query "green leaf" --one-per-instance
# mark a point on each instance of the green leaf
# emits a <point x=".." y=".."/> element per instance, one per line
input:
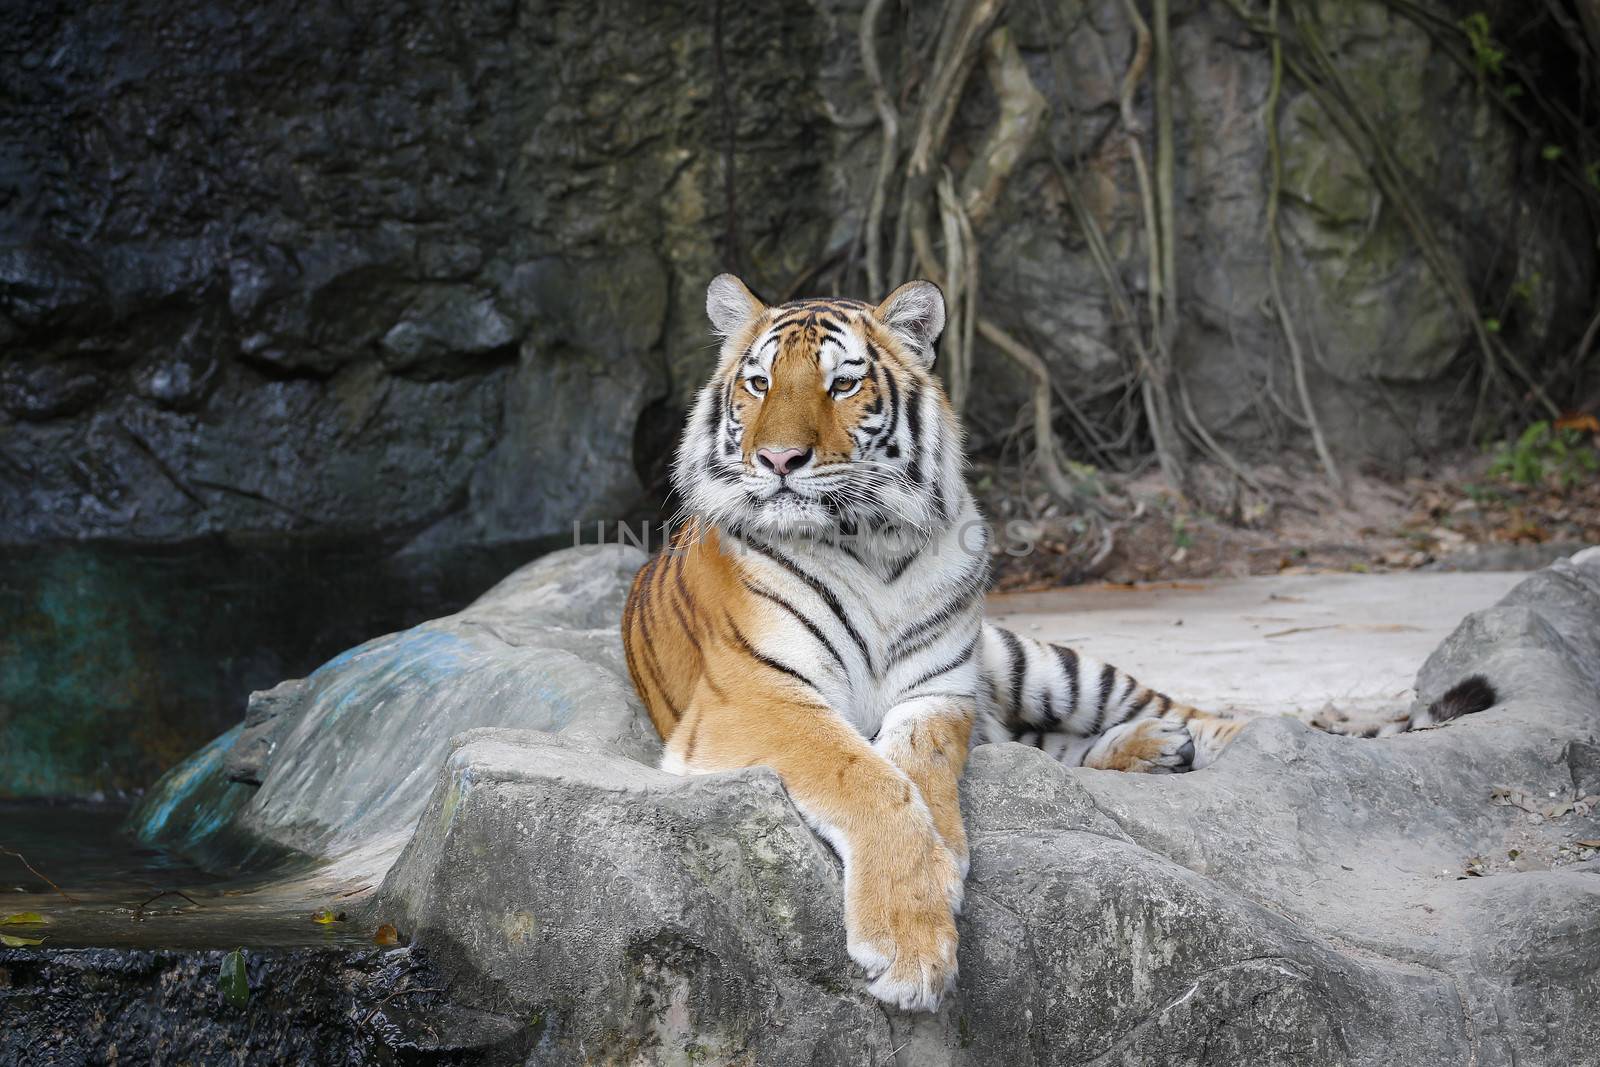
<point x="1492" y="325"/>
<point x="1551" y="153"/>
<point x="24" y="918"/>
<point x="233" y="981"/>
<point x="19" y="942"/>
<point x="1485" y="50"/>
<point x="324" y="918"/>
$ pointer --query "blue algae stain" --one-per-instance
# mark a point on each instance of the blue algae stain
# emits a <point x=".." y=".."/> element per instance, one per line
<point x="366" y="676"/>
<point x="193" y="801"/>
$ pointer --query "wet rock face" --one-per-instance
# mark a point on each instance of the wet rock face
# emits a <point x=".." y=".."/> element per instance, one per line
<point x="334" y="267"/>
<point x="306" y="1006"/>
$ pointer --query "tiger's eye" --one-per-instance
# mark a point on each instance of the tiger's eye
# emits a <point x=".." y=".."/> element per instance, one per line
<point x="757" y="384"/>
<point x="843" y="387"/>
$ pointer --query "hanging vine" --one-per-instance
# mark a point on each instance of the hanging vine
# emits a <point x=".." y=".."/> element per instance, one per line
<point x="924" y="213"/>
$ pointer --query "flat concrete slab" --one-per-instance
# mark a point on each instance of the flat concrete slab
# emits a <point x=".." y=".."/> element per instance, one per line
<point x="1270" y="645"/>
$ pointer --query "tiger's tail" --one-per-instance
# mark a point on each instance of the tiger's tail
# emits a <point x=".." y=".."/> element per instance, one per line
<point x="1469" y="696"/>
<point x="1079" y="710"/>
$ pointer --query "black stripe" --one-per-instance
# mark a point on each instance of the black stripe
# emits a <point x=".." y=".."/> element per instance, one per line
<point x="822" y="591"/>
<point x="647" y="644"/>
<point x="900" y="567"/>
<point x="1069" y="667"/>
<point x="848" y="529"/>
<point x="913" y="429"/>
<point x="949" y="610"/>
<point x="714" y="415"/>
<point x="906" y="693"/>
<point x="1016" y="665"/>
<point x="816" y="632"/>
<point x="688" y="629"/>
<point x="766" y="660"/>
<point x="903" y="652"/>
<point x="1108" y="680"/>
<point x="894" y="402"/>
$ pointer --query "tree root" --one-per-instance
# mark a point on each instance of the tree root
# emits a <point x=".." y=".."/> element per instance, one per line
<point x="1280" y="304"/>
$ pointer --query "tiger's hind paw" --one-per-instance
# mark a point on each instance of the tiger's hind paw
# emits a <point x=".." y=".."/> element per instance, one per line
<point x="1144" y="746"/>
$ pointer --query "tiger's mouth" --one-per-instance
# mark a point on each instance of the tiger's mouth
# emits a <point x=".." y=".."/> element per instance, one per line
<point x="788" y="507"/>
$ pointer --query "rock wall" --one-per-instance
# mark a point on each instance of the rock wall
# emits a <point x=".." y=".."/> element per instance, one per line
<point x="383" y="267"/>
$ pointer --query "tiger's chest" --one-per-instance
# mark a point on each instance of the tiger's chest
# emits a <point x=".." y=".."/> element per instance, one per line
<point x="863" y="631"/>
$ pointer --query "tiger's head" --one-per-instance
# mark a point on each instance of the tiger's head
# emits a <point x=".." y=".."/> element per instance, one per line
<point x="823" y="416"/>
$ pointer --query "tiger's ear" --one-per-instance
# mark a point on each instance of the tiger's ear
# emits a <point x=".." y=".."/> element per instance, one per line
<point x="730" y="304"/>
<point x="915" y="314"/>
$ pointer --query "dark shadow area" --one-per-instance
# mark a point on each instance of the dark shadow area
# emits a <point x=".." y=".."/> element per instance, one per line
<point x="123" y="658"/>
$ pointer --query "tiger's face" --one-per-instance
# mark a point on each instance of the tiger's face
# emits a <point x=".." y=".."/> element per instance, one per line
<point x="823" y="415"/>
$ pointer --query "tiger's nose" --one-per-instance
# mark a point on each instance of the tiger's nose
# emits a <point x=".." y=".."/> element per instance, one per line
<point x="783" y="460"/>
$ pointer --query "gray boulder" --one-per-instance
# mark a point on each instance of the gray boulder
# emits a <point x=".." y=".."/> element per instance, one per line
<point x="1307" y="899"/>
<point x="346" y="758"/>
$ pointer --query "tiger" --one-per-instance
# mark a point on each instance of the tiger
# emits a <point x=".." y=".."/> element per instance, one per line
<point x="819" y="611"/>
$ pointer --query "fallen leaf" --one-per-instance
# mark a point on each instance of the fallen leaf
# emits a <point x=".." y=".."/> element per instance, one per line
<point x="233" y="980"/>
<point x="24" y="918"/>
<point x="1588" y="844"/>
<point x="1518" y="799"/>
<point x="1582" y="421"/>
<point x="386" y="935"/>
<point x="325" y="917"/>
<point x="19" y="942"/>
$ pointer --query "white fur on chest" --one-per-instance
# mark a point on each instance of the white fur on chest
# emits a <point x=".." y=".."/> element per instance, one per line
<point x="842" y="621"/>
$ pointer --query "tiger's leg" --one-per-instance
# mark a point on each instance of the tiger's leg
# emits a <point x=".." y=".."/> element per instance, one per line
<point x="901" y="883"/>
<point x="928" y="738"/>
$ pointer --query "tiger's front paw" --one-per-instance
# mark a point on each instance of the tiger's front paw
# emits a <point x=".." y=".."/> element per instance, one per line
<point x="1144" y="746"/>
<point x="901" y="928"/>
<point x="954" y="836"/>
